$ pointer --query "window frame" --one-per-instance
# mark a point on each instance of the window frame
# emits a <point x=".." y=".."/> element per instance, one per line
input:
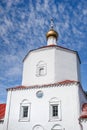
<point x="21" y="117"/>
<point x="58" y="117"/>
<point x="41" y="66"/>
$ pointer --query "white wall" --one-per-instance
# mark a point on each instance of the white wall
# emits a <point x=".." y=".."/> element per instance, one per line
<point x="66" y="65"/>
<point x="84" y="124"/>
<point x="83" y="98"/>
<point x="7" y="111"/>
<point x="30" y="63"/>
<point x="1" y="125"/>
<point x="39" y="114"/>
<point x="62" y="64"/>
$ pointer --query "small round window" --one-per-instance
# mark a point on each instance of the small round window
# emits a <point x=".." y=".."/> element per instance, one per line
<point x="39" y="94"/>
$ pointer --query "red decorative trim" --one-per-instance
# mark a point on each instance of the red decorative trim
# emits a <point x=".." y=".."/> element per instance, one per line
<point x="84" y="111"/>
<point x="65" y="82"/>
<point x="83" y="116"/>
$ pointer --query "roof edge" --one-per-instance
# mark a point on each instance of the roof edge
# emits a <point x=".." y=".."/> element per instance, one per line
<point x="51" y="46"/>
<point x="65" y="82"/>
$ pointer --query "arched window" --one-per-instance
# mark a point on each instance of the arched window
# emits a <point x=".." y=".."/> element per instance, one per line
<point x="54" y="109"/>
<point x="24" y="110"/>
<point x="41" y="69"/>
<point x="56" y="127"/>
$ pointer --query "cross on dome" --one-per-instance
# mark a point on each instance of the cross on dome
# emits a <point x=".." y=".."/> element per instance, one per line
<point x="52" y="35"/>
<point x="52" y="23"/>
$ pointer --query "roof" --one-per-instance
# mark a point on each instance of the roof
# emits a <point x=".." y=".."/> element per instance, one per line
<point x="65" y="82"/>
<point x="83" y="116"/>
<point x="55" y="46"/>
<point x="84" y="111"/>
<point x="2" y="110"/>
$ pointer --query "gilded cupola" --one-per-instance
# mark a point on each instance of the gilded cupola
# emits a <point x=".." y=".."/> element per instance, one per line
<point x="51" y="35"/>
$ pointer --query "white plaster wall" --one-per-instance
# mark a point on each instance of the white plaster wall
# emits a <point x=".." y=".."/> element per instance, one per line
<point x="29" y="69"/>
<point x="66" y="65"/>
<point x="1" y="126"/>
<point x="39" y="114"/>
<point x="7" y="111"/>
<point x="84" y="124"/>
<point x="62" y="65"/>
<point x="83" y="98"/>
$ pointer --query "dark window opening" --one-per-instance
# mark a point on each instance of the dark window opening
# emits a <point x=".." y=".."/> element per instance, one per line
<point x="25" y="111"/>
<point x="55" y="110"/>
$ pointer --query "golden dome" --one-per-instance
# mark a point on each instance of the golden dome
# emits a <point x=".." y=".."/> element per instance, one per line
<point x="52" y="32"/>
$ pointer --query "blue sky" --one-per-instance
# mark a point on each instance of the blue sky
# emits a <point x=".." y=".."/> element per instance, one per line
<point x="23" y="25"/>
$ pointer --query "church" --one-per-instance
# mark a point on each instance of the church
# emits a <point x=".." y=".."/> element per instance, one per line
<point x="50" y="96"/>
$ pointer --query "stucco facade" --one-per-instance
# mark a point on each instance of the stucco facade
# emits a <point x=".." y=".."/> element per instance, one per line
<point x="39" y="113"/>
<point x="1" y="126"/>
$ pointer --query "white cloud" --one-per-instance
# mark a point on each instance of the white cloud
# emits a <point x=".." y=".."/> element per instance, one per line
<point x="2" y="93"/>
<point x="14" y="71"/>
<point x="61" y="7"/>
<point x="76" y="31"/>
<point x="85" y="12"/>
<point x="45" y="4"/>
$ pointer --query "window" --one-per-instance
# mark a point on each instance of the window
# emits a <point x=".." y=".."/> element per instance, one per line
<point x="41" y="69"/>
<point x="54" y="109"/>
<point x="39" y="94"/>
<point x="1" y="121"/>
<point x="24" y="111"/>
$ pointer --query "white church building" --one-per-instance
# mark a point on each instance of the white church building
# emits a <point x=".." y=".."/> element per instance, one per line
<point x="51" y="96"/>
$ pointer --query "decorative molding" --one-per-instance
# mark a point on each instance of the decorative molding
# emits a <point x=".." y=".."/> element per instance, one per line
<point x="58" y="84"/>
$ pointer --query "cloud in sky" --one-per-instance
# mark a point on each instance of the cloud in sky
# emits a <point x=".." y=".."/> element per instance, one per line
<point x="23" y="25"/>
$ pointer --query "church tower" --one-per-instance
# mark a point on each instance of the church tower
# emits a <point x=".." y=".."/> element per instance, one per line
<point x="51" y="63"/>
